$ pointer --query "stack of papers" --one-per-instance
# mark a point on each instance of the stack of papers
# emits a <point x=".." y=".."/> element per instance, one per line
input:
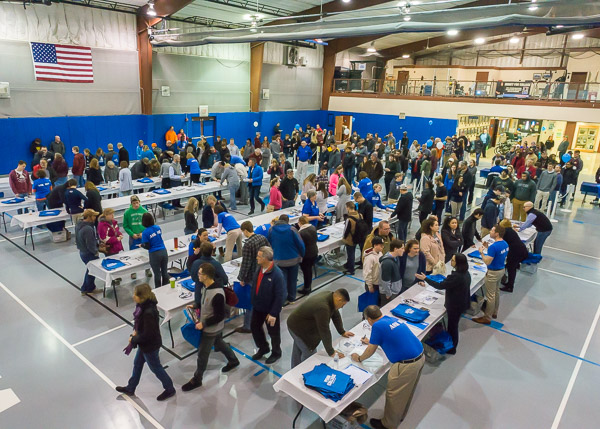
<point x="359" y="375"/>
<point x="330" y="383"/>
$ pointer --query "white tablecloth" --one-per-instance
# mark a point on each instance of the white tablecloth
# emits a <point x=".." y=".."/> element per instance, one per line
<point x="32" y="219"/>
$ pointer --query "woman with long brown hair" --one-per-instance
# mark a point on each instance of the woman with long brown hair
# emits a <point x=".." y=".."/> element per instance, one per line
<point x="344" y="190"/>
<point x="146" y="337"/>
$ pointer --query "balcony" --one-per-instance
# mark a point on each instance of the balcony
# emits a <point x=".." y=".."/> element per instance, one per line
<point x="544" y="93"/>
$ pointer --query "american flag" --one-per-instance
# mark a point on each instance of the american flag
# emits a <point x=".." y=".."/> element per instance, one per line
<point x="62" y="63"/>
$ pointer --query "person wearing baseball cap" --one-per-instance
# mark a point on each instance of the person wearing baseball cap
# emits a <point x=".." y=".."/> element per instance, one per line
<point x="87" y="244"/>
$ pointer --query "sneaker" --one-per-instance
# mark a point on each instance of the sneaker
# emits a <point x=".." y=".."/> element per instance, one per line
<point x="230" y="366"/>
<point x="123" y="390"/>
<point x="148" y="273"/>
<point x="191" y="385"/>
<point x="273" y="358"/>
<point x="376" y="424"/>
<point x="251" y="213"/>
<point x="242" y="330"/>
<point x="166" y="395"/>
<point x="304" y="291"/>
<point x="259" y="354"/>
<point x="506" y="289"/>
<point x="94" y="292"/>
<point x="133" y="276"/>
<point x="483" y="320"/>
<point x="262" y="208"/>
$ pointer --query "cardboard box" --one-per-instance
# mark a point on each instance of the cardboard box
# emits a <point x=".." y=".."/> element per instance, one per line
<point x="529" y="268"/>
<point x="339" y="422"/>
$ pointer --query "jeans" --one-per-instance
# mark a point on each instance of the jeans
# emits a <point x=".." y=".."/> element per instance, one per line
<point x="61" y="181"/>
<point x="255" y="196"/>
<point x="288" y="203"/>
<point x="290" y="275"/>
<point x="477" y="156"/>
<point x="232" y="190"/>
<point x="349" y="174"/>
<point x="248" y="318"/>
<point x="463" y="207"/>
<point x="153" y="361"/>
<point x="158" y="262"/>
<point x="80" y="181"/>
<point x="88" y="281"/>
<point x="307" y="265"/>
<point x="351" y="252"/>
<point x="471" y="192"/>
<point x="539" y="241"/>
<point x="134" y="243"/>
<point x="300" y="351"/>
<point x="40" y="205"/>
<point x="552" y="197"/>
<point x="204" y="351"/>
<point x="402" y="228"/>
<point x="258" y="333"/>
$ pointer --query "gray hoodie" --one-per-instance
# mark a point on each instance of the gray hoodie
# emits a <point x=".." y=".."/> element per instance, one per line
<point x="547" y="181"/>
<point x="230" y="176"/>
<point x="390" y="282"/>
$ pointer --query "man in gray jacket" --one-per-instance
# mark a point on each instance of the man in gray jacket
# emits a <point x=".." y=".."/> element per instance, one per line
<point x="230" y="176"/>
<point x="390" y="283"/>
<point x="546" y="184"/>
<point x="57" y="146"/>
<point x="87" y="244"/>
<point x="211" y="323"/>
<point x="335" y="158"/>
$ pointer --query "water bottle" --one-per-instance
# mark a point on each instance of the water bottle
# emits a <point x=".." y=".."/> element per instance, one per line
<point x="336" y="361"/>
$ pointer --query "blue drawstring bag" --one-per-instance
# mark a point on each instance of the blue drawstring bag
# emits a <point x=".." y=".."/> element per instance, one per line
<point x="412" y="314"/>
<point x="475" y="254"/>
<point x="244" y="294"/>
<point x="161" y="191"/>
<point x="322" y="237"/>
<point x="112" y="264"/>
<point x="101" y="188"/>
<point x="145" y="180"/>
<point x="189" y="285"/>
<point x="366" y="299"/>
<point x="376" y="219"/>
<point x="391" y="206"/>
<point x="15" y="200"/>
<point x="441" y="342"/>
<point x="45" y="213"/>
<point x="532" y="258"/>
<point x="189" y="331"/>
<point x="438" y="278"/>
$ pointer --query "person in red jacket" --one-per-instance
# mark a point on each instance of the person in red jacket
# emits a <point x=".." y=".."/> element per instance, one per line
<point x="109" y="233"/>
<point x="61" y="169"/>
<point x="78" y="166"/>
<point x="19" y="180"/>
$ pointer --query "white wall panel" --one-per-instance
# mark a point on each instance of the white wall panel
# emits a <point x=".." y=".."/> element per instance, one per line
<point x="295" y="88"/>
<point x="274" y="54"/>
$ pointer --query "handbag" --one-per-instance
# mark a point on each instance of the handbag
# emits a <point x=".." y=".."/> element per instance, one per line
<point x="366" y="299"/>
<point x="189" y="331"/>
<point x="439" y="269"/>
<point x="104" y="248"/>
<point x="231" y="299"/>
<point x="270" y="208"/>
<point x="244" y="294"/>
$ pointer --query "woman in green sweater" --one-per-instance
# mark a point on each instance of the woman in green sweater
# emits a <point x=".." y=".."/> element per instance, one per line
<point x="132" y="222"/>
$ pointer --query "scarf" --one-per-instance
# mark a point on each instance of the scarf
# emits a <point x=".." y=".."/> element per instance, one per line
<point x="136" y="322"/>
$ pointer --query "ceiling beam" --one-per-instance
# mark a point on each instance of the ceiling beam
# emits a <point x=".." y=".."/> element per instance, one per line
<point x="251" y="6"/>
<point x="335" y="6"/>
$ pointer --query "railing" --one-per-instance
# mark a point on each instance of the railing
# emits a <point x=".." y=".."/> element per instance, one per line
<point x="550" y="91"/>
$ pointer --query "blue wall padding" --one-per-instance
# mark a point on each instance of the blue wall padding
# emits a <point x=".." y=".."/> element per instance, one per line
<point x="97" y="131"/>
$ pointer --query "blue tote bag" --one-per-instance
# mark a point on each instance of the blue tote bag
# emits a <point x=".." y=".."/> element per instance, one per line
<point x="244" y="295"/>
<point x="189" y="331"/>
<point x="366" y="299"/>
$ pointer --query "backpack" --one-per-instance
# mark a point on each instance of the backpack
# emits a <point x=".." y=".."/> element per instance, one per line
<point x="361" y="230"/>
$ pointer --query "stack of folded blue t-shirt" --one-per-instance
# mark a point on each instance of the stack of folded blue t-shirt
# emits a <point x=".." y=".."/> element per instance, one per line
<point x="328" y="382"/>
<point x="189" y="284"/>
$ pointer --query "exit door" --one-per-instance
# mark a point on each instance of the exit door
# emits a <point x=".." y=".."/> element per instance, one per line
<point x="402" y="81"/>
<point x="577" y="89"/>
<point x="340" y="122"/>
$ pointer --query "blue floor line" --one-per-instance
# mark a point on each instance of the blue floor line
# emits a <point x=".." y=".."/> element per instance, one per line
<point x="259" y="372"/>
<point x="499" y="327"/>
<point x="571" y="263"/>
<point x="233" y="317"/>
<point x="262" y="365"/>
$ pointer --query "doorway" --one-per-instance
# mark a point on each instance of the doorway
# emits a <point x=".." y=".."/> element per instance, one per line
<point x="481" y="83"/>
<point x="340" y="122"/>
<point x="577" y="89"/>
<point x="402" y="81"/>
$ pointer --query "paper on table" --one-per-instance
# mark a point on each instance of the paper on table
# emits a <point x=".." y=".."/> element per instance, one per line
<point x="229" y="269"/>
<point x="425" y="298"/>
<point x="434" y="290"/>
<point x="359" y="375"/>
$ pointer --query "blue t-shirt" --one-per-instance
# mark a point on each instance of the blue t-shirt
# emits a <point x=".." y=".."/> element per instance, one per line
<point x="153" y="235"/>
<point x="263" y="230"/>
<point x="228" y="221"/>
<point x="365" y="186"/>
<point x="304" y="153"/>
<point x="498" y="250"/>
<point x="148" y="154"/>
<point x="396" y="339"/>
<point x="310" y="209"/>
<point x="42" y="188"/>
<point x="375" y="200"/>
<point x="236" y="160"/>
<point x="194" y="166"/>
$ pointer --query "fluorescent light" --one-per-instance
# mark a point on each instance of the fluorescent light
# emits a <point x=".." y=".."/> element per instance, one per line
<point x="405" y="56"/>
<point x="514" y="40"/>
<point x="151" y="11"/>
<point x="407" y="18"/>
<point x="416" y="2"/>
<point x="533" y="7"/>
<point x="346" y="1"/>
<point x="559" y="26"/>
<point x="479" y="41"/>
<point x="372" y="48"/>
<point x="578" y="36"/>
<point x="452" y="32"/>
<point x="253" y="17"/>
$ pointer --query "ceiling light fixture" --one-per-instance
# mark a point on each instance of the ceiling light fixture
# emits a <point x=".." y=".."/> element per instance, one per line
<point x="514" y="40"/>
<point x="559" y="26"/>
<point x="346" y="1"/>
<point x="578" y="36"/>
<point x="151" y="11"/>
<point x="253" y="17"/>
<point x="452" y="32"/>
<point x="479" y="41"/>
<point x="407" y="18"/>
<point x="533" y="7"/>
<point x="372" y="48"/>
<point x="405" y="56"/>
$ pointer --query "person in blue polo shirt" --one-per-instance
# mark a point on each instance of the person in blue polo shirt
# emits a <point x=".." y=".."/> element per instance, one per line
<point x="304" y="156"/>
<point x="365" y="186"/>
<point x="42" y="187"/>
<point x="153" y="242"/>
<point x="311" y="209"/>
<point x="264" y="229"/>
<point x="227" y="222"/>
<point x="405" y="352"/>
<point x="255" y="179"/>
<point x="234" y="159"/>
<point x="496" y="262"/>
